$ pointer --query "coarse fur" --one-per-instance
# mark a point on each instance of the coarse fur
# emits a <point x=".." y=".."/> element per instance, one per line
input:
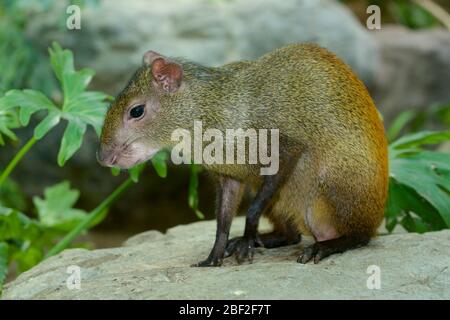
<point x="338" y="186"/>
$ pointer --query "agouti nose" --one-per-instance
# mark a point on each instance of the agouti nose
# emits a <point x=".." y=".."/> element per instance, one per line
<point x="106" y="157"/>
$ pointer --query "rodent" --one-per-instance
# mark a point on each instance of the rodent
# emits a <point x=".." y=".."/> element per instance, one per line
<point x="333" y="170"/>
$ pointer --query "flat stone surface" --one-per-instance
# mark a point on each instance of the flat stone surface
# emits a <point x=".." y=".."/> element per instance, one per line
<point x="156" y="266"/>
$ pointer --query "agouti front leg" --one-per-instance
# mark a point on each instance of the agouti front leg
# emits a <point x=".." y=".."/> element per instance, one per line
<point x="229" y="196"/>
<point x="243" y="247"/>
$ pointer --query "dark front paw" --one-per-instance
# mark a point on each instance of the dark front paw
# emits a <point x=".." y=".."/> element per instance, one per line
<point x="210" y="262"/>
<point x="242" y="248"/>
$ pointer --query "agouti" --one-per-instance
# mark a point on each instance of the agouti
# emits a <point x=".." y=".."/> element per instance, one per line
<point x="333" y="172"/>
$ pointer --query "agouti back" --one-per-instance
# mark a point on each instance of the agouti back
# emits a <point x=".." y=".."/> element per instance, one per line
<point x="333" y="176"/>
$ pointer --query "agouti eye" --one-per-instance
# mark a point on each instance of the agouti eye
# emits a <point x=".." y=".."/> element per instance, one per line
<point x="137" y="112"/>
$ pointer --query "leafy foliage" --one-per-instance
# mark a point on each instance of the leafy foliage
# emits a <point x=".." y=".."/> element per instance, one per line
<point x="159" y="162"/>
<point x="3" y="262"/>
<point x="80" y="107"/>
<point x="412" y="15"/>
<point x="419" y="187"/>
<point x="8" y="120"/>
<point x="27" y="241"/>
<point x="27" y="238"/>
<point x="56" y="209"/>
<point x="23" y="236"/>
<point x="193" y="191"/>
<point x="12" y="196"/>
<point x="21" y="62"/>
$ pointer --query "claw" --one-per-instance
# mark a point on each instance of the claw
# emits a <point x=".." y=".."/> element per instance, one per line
<point x="242" y="248"/>
<point x="210" y="262"/>
<point x="307" y="255"/>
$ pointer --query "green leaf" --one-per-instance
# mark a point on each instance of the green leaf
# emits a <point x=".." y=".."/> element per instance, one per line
<point x="8" y="120"/>
<point x="61" y="61"/>
<point x="3" y="263"/>
<point x="56" y="211"/>
<point x="29" y="102"/>
<point x="159" y="162"/>
<point x="427" y="173"/>
<point x="412" y="15"/>
<point x="15" y="225"/>
<point x="80" y="108"/>
<point x="28" y="257"/>
<point x="71" y="141"/>
<point x="393" y="208"/>
<point x="193" y="191"/>
<point x="135" y="172"/>
<point x="413" y="224"/>
<point x="47" y="124"/>
<point x="399" y="123"/>
<point x="115" y="171"/>
<point x="403" y="200"/>
<point x="443" y="113"/>
<point x="12" y="196"/>
<point x="412" y="141"/>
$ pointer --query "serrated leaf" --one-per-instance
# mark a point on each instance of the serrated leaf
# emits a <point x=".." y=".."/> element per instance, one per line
<point x="80" y="108"/>
<point x="71" y="141"/>
<point x="29" y="102"/>
<point x="61" y="60"/>
<point x="50" y="121"/>
<point x="8" y="120"/>
<point x="56" y="210"/>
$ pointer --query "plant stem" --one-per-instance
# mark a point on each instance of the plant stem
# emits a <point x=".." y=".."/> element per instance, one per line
<point x="19" y="155"/>
<point x="65" y="242"/>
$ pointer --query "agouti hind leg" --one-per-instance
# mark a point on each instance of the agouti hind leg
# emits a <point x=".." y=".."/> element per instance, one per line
<point x="323" y="249"/>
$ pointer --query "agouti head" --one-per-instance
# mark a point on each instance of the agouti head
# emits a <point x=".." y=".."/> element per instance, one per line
<point x="140" y="120"/>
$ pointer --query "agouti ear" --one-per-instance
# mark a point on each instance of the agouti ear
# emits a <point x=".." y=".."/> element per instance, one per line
<point x="167" y="74"/>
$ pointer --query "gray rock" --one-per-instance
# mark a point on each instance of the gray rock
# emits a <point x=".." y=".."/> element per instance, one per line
<point x="114" y="36"/>
<point x="414" y="70"/>
<point x="152" y="266"/>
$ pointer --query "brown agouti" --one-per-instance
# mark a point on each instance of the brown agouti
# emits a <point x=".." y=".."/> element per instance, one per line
<point x="333" y="172"/>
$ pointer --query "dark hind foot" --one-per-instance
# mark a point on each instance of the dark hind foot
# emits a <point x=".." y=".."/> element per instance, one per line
<point x="323" y="249"/>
